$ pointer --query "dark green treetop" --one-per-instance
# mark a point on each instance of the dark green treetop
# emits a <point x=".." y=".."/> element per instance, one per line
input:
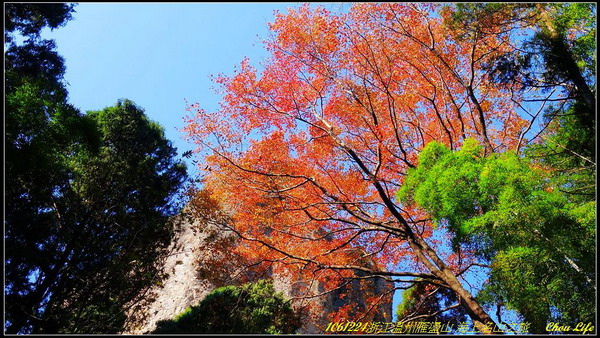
<point x="87" y="197"/>
<point x="30" y="18"/>
<point x="252" y="308"/>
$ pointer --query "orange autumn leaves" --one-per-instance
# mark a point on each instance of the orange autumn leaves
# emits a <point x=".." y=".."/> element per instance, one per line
<point x="380" y="82"/>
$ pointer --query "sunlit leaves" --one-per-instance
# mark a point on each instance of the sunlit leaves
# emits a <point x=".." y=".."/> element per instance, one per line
<point x="538" y="240"/>
<point x="307" y="151"/>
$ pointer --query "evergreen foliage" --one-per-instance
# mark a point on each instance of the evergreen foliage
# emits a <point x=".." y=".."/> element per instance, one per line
<point x="87" y="197"/>
<point x="253" y="308"/>
<point x="540" y="242"/>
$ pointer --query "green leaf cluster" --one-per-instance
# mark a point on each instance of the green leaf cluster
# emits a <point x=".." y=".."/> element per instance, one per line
<point x="30" y="18"/>
<point x="576" y="23"/>
<point x="253" y="308"/>
<point x="540" y="242"/>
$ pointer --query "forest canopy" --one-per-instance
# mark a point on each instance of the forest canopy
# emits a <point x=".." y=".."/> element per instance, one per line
<point x="88" y="196"/>
<point x="445" y="149"/>
<point x="480" y="116"/>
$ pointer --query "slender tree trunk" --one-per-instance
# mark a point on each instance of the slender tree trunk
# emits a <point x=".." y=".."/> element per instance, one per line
<point x="562" y="57"/>
<point x="482" y="321"/>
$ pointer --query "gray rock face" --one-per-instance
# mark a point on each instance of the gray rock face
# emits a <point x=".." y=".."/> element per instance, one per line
<point x="180" y="289"/>
<point x="192" y="251"/>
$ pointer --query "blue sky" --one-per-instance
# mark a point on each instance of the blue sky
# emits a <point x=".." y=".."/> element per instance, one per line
<point x="159" y="54"/>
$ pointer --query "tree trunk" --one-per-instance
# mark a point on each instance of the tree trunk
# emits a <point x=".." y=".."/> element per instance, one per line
<point x="482" y="321"/>
<point x="561" y="57"/>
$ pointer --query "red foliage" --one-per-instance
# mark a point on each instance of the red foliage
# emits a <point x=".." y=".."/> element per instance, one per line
<point x="305" y="152"/>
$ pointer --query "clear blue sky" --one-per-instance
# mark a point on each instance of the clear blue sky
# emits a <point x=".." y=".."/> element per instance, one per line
<point x="159" y="54"/>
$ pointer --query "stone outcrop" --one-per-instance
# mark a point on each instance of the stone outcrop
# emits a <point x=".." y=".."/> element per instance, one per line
<point x="187" y="282"/>
<point x="181" y="287"/>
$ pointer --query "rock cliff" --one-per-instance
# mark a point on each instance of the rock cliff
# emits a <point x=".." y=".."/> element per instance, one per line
<point x="192" y="252"/>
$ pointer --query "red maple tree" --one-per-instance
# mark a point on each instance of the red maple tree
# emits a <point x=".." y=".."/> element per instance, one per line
<point x="306" y="155"/>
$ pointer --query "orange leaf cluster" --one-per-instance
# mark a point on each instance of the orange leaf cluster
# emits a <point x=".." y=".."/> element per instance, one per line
<point x="305" y="152"/>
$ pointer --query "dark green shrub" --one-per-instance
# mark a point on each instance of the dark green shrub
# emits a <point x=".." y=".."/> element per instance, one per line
<point x="250" y="308"/>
